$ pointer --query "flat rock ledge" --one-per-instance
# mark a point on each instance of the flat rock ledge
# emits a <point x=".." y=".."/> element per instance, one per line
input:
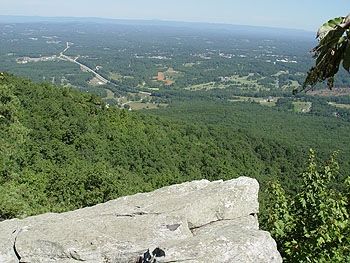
<point x="194" y="222"/>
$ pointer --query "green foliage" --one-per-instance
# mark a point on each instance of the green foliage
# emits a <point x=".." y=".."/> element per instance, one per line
<point x="13" y="133"/>
<point x="313" y="225"/>
<point x="285" y="104"/>
<point x="333" y="48"/>
<point x="62" y="150"/>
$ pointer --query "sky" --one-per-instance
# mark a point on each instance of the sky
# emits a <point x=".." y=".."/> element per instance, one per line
<point x="299" y="14"/>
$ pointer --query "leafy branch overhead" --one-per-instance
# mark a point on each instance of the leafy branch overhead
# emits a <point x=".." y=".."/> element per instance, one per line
<point x="332" y="50"/>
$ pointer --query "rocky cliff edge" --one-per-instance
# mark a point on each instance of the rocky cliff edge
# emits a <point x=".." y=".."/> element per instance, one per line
<point x="193" y="222"/>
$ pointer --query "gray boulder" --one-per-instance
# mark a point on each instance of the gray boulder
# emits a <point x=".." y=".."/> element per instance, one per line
<point x="193" y="222"/>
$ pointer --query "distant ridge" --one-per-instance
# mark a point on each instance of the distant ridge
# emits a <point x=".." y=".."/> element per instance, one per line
<point x="247" y="29"/>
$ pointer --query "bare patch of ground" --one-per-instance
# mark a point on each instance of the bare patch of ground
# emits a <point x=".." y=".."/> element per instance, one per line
<point x="95" y="82"/>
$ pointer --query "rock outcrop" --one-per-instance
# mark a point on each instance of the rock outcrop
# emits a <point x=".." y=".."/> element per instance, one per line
<point x="193" y="222"/>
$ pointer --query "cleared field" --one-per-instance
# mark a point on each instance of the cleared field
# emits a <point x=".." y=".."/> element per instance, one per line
<point x="279" y="73"/>
<point x="135" y="105"/>
<point x="153" y="89"/>
<point x="301" y="106"/>
<point x="170" y="72"/>
<point x="340" y="106"/>
<point x="115" y="76"/>
<point x="270" y="102"/>
<point x="247" y="83"/>
<point x="293" y="84"/>
<point x="189" y="65"/>
<point x="110" y="94"/>
<point x="243" y="82"/>
<point x="206" y="86"/>
<point x="95" y="82"/>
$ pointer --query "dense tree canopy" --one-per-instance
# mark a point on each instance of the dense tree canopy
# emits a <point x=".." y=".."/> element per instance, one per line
<point x="62" y="149"/>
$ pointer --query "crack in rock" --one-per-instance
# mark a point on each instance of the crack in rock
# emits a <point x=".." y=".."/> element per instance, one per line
<point x="74" y="255"/>
<point x="18" y="256"/>
<point x="194" y="228"/>
<point x="136" y="214"/>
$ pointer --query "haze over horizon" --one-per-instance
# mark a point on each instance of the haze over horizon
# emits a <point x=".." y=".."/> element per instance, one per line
<point x="271" y="13"/>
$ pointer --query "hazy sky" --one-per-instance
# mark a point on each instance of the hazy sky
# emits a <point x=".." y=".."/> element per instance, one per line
<point x="303" y="14"/>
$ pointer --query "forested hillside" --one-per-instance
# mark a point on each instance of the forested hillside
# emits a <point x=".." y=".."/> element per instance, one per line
<point x="62" y="149"/>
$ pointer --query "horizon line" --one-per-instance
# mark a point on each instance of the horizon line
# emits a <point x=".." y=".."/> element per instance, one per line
<point x="148" y="20"/>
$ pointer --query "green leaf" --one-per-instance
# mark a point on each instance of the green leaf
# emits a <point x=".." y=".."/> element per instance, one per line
<point x="346" y="59"/>
<point x="320" y="241"/>
<point x="332" y="37"/>
<point x="329" y="26"/>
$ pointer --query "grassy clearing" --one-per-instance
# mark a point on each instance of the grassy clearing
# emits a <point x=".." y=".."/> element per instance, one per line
<point x="301" y="106"/>
<point x="135" y="105"/>
<point x="247" y="83"/>
<point x="206" y="86"/>
<point x="279" y="73"/>
<point x="293" y="84"/>
<point x="153" y="89"/>
<point x="115" y="76"/>
<point x="95" y="82"/>
<point x="243" y="82"/>
<point x="339" y="105"/>
<point x="118" y="77"/>
<point x="189" y="65"/>
<point x="270" y="102"/>
<point x="110" y="94"/>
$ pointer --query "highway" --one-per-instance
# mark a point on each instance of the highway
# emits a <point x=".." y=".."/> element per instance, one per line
<point x="67" y="58"/>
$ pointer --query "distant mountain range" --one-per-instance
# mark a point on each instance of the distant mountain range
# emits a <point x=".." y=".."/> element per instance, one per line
<point x="241" y="29"/>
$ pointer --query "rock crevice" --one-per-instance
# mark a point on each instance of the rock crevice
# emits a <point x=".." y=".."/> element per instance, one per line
<point x="15" y="251"/>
